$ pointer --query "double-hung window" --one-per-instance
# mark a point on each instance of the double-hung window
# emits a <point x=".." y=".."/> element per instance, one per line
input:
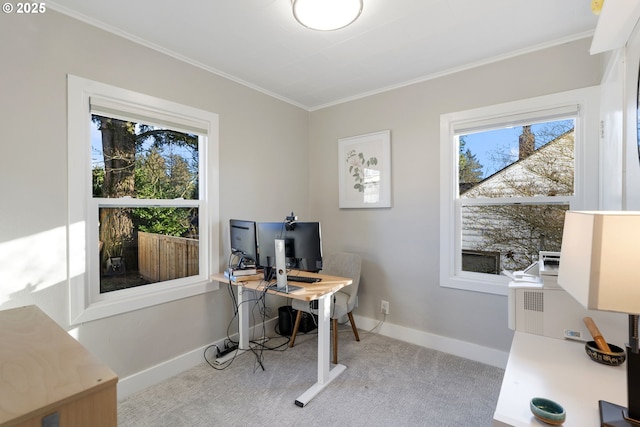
<point x="509" y="173"/>
<point x="143" y="200"/>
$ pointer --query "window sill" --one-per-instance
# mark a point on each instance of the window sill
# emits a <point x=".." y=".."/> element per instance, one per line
<point x="133" y="299"/>
<point x="495" y="286"/>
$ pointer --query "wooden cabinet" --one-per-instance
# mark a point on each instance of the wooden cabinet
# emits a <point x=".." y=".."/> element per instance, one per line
<point x="44" y="372"/>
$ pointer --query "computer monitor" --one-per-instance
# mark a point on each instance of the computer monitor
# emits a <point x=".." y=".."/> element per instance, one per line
<point x="244" y="242"/>
<point x="303" y="244"/>
<point x="268" y="232"/>
<point x="307" y="245"/>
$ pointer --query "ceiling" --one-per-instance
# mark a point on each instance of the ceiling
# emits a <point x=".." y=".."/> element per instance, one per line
<point x="394" y="42"/>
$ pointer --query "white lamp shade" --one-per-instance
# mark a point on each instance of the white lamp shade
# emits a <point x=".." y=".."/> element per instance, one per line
<point x="326" y="15"/>
<point x="600" y="260"/>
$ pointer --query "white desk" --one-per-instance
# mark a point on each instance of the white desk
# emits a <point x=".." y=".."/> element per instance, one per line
<point x="559" y="370"/>
<point x="321" y="291"/>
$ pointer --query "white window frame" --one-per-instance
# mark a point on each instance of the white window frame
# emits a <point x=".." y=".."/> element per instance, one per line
<point x="85" y="301"/>
<point x="586" y="101"/>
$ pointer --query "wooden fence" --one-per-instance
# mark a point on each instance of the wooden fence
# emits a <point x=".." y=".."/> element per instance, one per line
<point x="163" y="257"/>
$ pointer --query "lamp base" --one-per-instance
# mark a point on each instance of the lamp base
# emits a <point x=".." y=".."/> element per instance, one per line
<point x="612" y="415"/>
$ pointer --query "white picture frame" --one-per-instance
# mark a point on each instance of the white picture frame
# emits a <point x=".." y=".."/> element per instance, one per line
<point x="364" y="168"/>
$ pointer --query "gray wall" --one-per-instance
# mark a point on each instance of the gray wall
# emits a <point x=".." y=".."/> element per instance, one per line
<point x="400" y="245"/>
<point x="257" y="132"/>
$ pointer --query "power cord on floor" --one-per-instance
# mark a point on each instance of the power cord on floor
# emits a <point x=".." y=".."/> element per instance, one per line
<point x="378" y="325"/>
<point x="257" y="347"/>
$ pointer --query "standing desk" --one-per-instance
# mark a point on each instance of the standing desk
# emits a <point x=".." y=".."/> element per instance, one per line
<point x="321" y="291"/>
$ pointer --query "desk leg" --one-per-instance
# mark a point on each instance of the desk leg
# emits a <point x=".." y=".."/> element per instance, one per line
<point x="243" y="318"/>
<point x="243" y="326"/>
<point x="326" y="374"/>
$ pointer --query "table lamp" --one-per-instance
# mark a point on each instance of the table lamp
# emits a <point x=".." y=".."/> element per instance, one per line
<point x="600" y="268"/>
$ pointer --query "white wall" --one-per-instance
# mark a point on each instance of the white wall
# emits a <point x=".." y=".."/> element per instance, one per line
<point x="256" y="131"/>
<point x="400" y="245"/>
<point x="628" y="109"/>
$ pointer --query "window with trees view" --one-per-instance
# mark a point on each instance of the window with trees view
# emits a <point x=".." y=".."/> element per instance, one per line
<point x="512" y="174"/>
<point x="137" y="162"/>
<point x="140" y="179"/>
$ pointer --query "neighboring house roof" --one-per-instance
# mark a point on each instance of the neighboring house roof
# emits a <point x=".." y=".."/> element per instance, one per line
<point x="550" y="166"/>
<point x="495" y="229"/>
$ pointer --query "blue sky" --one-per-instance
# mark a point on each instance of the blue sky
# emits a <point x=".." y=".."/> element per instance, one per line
<point x="97" y="158"/>
<point x="488" y="144"/>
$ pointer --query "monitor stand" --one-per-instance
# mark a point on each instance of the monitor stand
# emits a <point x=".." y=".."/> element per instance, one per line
<point x="281" y="270"/>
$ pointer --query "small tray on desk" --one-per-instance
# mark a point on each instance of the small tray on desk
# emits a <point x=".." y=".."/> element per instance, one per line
<point x="246" y="278"/>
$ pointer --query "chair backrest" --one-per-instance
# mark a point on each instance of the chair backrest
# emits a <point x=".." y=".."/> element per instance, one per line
<point x="344" y="264"/>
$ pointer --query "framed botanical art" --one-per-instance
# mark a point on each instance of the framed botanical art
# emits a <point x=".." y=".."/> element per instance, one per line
<point x="365" y="170"/>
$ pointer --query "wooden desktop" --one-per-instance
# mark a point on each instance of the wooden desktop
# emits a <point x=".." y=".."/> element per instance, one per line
<point x="320" y="291"/>
<point x="47" y="378"/>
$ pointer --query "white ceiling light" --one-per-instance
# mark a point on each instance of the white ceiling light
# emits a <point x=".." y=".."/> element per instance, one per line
<point x="326" y="15"/>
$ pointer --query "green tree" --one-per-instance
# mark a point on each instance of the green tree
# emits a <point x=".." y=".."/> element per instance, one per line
<point x="469" y="168"/>
<point x="124" y="144"/>
<point x="163" y="177"/>
<point x="119" y="149"/>
<point x="182" y="181"/>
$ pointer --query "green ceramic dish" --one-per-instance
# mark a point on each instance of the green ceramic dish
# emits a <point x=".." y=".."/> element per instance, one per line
<point x="547" y="411"/>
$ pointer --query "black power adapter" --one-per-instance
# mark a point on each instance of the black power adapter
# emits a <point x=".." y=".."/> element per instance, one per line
<point x="232" y="347"/>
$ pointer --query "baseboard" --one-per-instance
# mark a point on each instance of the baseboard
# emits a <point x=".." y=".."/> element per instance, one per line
<point x="155" y="374"/>
<point x="486" y="355"/>
<point x="169" y="368"/>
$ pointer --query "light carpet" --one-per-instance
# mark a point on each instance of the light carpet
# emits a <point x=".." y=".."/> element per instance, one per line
<point x="387" y="382"/>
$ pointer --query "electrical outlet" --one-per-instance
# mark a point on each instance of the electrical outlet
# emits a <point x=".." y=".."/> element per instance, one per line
<point x="384" y="307"/>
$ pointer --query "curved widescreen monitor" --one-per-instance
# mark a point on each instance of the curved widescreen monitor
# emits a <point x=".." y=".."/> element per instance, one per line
<point x="244" y="242"/>
<point x="303" y="244"/>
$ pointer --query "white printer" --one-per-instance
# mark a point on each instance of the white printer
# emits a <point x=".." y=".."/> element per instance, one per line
<point x="538" y="305"/>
